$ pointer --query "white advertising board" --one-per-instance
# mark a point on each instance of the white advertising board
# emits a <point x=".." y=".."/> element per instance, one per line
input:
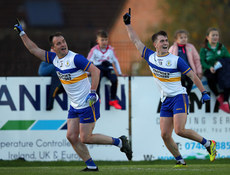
<point x="206" y="119"/>
<point x="29" y="131"/>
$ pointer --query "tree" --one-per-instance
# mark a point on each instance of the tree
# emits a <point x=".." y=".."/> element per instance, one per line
<point x="196" y="16"/>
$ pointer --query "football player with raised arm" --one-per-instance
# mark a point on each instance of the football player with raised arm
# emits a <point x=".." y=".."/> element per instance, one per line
<point x="167" y="69"/>
<point x="84" y="110"/>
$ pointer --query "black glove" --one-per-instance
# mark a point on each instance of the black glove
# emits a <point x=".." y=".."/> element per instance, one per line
<point x="127" y="17"/>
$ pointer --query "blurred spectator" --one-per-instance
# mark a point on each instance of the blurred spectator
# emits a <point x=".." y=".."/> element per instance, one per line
<point x="46" y="69"/>
<point x="102" y="55"/>
<point x="212" y="52"/>
<point x="189" y="54"/>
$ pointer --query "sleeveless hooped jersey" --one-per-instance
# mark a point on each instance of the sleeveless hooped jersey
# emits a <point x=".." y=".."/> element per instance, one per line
<point x="97" y="56"/>
<point x="71" y="72"/>
<point x="166" y="71"/>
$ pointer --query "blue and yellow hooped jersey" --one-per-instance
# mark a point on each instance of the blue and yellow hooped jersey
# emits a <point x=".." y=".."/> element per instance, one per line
<point x="166" y="71"/>
<point x="71" y="71"/>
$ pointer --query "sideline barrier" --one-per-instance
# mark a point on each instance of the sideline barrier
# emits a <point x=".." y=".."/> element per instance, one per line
<point x="206" y="119"/>
<point x="29" y="131"/>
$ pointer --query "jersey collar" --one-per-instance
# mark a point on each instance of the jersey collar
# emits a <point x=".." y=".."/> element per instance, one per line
<point x="163" y="55"/>
<point x="98" y="47"/>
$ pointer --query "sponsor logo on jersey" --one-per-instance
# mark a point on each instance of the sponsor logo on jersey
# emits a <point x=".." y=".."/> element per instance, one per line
<point x="161" y="74"/>
<point x="64" y="76"/>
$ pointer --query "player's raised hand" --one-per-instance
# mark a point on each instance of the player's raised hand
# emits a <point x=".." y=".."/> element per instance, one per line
<point x="205" y="97"/>
<point x="91" y="97"/>
<point x="18" y="28"/>
<point x="127" y="17"/>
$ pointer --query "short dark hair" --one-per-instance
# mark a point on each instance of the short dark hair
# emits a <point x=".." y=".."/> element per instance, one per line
<point x="52" y="36"/>
<point x="154" y="37"/>
<point x="102" y="33"/>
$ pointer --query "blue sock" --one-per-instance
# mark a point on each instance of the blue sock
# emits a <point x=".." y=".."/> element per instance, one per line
<point x="116" y="141"/>
<point x="179" y="157"/>
<point x="90" y="163"/>
<point x="203" y="141"/>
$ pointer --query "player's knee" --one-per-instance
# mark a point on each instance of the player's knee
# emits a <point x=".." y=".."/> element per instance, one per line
<point x="69" y="137"/>
<point x="73" y="138"/>
<point x="85" y="139"/>
<point x="165" y="136"/>
<point x="179" y="131"/>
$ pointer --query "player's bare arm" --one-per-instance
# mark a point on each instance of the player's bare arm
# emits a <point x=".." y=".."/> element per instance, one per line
<point x="29" y="44"/>
<point x="134" y="38"/>
<point x="95" y="76"/>
<point x="196" y="80"/>
<point x="33" y="48"/>
<point x="132" y="34"/>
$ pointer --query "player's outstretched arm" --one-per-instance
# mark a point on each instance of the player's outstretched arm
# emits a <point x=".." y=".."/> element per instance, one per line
<point x="30" y="45"/>
<point x="132" y="34"/>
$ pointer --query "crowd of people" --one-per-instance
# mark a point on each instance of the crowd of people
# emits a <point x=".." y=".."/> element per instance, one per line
<point x="182" y="62"/>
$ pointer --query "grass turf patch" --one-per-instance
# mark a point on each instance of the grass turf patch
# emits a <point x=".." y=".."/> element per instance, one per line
<point x="204" y="167"/>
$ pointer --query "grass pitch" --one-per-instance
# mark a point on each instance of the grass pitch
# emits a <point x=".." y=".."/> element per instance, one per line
<point x="195" y="167"/>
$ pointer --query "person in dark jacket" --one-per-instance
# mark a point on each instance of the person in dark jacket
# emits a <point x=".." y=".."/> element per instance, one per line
<point x="222" y="68"/>
<point x="211" y="52"/>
